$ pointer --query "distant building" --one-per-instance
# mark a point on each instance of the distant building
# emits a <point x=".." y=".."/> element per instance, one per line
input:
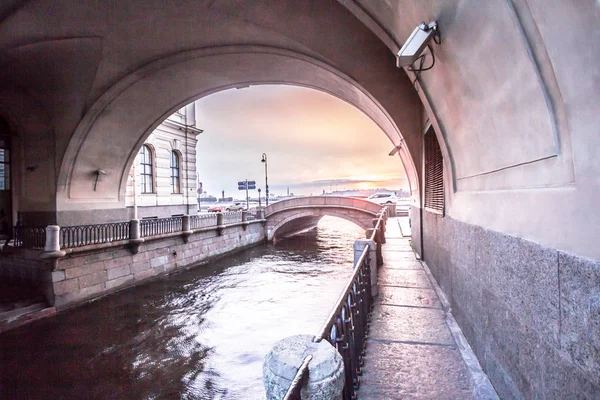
<point x="162" y="180"/>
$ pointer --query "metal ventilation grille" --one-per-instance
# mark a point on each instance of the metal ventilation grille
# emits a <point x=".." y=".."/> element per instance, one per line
<point x="434" y="173"/>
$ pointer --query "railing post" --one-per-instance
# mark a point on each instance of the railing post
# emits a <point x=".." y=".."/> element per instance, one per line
<point x="260" y="213"/>
<point x="326" y="369"/>
<point x="135" y="235"/>
<point x="186" y="231"/>
<point x="377" y="237"/>
<point x="220" y="224"/>
<point x="359" y="246"/>
<point x="245" y="219"/>
<point x="52" y="245"/>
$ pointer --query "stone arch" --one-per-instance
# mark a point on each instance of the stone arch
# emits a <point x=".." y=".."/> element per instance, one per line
<point x="360" y="218"/>
<point x="124" y="107"/>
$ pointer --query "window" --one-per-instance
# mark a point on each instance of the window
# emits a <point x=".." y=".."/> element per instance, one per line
<point x="434" y="173"/>
<point x="4" y="165"/>
<point x="175" y="182"/>
<point x="147" y="175"/>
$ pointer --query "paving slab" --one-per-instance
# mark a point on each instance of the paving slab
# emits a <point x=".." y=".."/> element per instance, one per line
<point x="403" y="277"/>
<point x="402" y="371"/>
<point x="404" y="265"/>
<point x="394" y="296"/>
<point x="410" y="324"/>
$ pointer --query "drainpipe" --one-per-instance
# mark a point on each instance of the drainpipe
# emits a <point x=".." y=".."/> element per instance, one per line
<point x="190" y="120"/>
<point x="135" y="207"/>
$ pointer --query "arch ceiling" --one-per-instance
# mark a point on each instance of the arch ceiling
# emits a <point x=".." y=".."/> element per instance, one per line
<point x="108" y="73"/>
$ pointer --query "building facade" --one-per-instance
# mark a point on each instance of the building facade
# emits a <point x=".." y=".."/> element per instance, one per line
<point x="162" y="181"/>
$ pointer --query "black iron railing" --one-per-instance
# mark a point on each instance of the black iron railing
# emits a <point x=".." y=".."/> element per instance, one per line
<point x="347" y="327"/>
<point x="85" y="235"/>
<point x="203" y="221"/>
<point x="29" y="238"/>
<point x="160" y="226"/>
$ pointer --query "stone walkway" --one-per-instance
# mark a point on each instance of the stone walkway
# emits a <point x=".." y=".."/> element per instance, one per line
<point x="411" y="352"/>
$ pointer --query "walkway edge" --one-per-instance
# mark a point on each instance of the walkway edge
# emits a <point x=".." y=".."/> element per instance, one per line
<point x="482" y="387"/>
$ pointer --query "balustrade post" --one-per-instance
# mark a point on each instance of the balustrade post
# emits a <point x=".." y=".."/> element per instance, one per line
<point x="220" y="224"/>
<point x="359" y="246"/>
<point x="325" y="372"/>
<point x="186" y="231"/>
<point x="245" y="219"/>
<point x="135" y="235"/>
<point x="260" y="213"/>
<point x="377" y="238"/>
<point x="52" y="245"/>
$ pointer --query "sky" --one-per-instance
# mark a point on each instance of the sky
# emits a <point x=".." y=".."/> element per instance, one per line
<point x="313" y="142"/>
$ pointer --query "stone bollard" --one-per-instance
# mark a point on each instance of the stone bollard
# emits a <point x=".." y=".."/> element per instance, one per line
<point x="359" y="246"/>
<point x="220" y="225"/>
<point x="52" y="245"/>
<point x="186" y="231"/>
<point x="244" y="219"/>
<point x="260" y="213"/>
<point x="135" y="235"/>
<point x="377" y="237"/>
<point x="325" y="371"/>
<point x="52" y="238"/>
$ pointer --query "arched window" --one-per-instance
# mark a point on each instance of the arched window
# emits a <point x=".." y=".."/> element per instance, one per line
<point x="147" y="175"/>
<point x="175" y="181"/>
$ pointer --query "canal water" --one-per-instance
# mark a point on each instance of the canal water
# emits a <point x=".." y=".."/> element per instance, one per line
<point x="199" y="334"/>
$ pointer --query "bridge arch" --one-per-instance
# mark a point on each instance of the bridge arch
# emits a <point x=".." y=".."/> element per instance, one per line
<point x="308" y="210"/>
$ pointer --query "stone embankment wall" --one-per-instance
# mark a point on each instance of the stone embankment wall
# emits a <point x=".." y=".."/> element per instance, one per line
<point x="83" y="275"/>
<point x="530" y="312"/>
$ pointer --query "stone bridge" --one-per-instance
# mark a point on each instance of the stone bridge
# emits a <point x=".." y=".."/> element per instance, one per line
<point x="296" y="214"/>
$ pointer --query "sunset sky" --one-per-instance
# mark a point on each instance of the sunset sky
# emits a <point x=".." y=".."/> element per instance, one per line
<point x="313" y="141"/>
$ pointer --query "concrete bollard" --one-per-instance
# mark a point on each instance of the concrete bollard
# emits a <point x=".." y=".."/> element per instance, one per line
<point x="325" y="371"/>
<point x="359" y="246"/>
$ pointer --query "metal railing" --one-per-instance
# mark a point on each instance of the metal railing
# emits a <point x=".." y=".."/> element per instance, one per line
<point x="203" y="221"/>
<point x="160" y="226"/>
<point x="29" y="238"/>
<point x="85" y="235"/>
<point x="347" y="326"/>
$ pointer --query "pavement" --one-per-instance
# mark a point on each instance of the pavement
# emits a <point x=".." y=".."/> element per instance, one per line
<point x="415" y="349"/>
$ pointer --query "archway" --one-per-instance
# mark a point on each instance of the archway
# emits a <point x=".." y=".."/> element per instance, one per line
<point x="132" y="106"/>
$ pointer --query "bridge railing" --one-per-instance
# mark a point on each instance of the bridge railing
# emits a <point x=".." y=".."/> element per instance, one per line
<point x="347" y="326"/>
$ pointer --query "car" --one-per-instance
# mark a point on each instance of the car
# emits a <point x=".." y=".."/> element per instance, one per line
<point x="383" y="198"/>
<point x="237" y="206"/>
<point x="215" y="209"/>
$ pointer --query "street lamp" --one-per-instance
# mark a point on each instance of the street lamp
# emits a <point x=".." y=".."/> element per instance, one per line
<point x="264" y="159"/>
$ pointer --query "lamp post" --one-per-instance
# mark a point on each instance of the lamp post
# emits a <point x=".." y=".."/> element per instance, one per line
<point x="264" y="159"/>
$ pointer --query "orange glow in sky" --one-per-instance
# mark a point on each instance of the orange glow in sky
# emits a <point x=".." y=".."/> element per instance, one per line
<point x="313" y="142"/>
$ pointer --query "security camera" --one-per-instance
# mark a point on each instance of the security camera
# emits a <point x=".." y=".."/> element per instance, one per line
<point x="416" y="43"/>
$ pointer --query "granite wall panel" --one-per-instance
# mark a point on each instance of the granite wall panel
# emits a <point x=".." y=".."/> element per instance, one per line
<point x="530" y="313"/>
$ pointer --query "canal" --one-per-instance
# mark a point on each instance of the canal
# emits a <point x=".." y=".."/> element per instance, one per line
<point x="198" y="334"/>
